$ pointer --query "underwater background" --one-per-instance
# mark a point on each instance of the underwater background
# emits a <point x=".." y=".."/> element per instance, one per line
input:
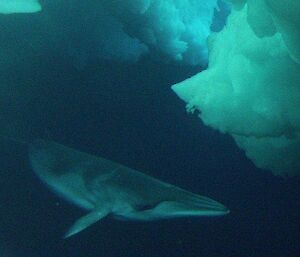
<point x="150" y="131"/>
<point x="127" y="112"/>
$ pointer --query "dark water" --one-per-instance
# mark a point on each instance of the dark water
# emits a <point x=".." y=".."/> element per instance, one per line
<point x="127" y="113"/>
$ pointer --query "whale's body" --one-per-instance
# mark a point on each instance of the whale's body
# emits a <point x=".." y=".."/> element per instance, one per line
<point x="104" y="187"/>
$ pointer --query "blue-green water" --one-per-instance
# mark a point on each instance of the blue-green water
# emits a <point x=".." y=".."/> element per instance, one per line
<point x="126" y="112"/>
<point x="150" y="131"/>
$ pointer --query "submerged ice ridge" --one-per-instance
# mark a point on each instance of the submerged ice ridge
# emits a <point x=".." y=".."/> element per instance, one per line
<point x="251" y="89"/>
<point x="175" y="30"/>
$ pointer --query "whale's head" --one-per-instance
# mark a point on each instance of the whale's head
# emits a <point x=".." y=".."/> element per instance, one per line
<point x="178" y="203"/>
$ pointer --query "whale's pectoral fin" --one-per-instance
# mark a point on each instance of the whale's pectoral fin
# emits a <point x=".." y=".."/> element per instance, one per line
<point x="86" y="221"/>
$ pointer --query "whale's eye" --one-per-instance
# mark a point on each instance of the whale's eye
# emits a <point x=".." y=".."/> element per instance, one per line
<point x="145" y="207"/>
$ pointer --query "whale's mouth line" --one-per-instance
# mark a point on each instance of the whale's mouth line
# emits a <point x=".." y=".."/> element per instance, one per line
<point x="202" y="202"/>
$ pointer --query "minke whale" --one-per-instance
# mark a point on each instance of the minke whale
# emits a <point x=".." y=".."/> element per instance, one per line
<point x="106" y="188"/>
